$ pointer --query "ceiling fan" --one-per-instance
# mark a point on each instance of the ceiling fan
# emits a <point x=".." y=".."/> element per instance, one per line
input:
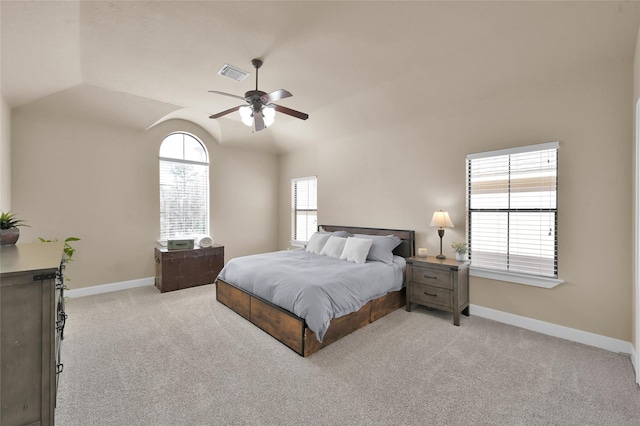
<point x="260" y="111"/>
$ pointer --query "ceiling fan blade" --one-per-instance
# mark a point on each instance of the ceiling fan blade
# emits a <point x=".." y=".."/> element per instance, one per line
<point x="291" y="112"/>
<point x="276" y="96"/>
<point x="258" y="121"/>
<point x="227" y="94"/>
<point x="220" y="114"/>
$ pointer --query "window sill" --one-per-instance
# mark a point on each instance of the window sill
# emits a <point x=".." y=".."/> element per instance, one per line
<point x="515" y="278"/>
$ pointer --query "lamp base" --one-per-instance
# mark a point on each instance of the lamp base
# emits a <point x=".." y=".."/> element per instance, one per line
<point x="441" y="234"/>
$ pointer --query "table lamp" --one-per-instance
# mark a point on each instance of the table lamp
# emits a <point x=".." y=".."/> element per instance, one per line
<point x="442" y="220"/>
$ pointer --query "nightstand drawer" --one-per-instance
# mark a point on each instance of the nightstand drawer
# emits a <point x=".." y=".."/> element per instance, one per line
<point x="430" y="295"/>
<point x="431" y="276"/>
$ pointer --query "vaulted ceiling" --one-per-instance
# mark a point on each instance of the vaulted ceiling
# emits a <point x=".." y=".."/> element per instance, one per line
<point x="352" y="66"/>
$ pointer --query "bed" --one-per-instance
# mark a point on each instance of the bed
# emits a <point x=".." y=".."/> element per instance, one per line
<point x="260" y="304"/>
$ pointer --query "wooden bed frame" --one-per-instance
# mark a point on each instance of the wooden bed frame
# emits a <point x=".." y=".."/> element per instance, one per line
<point x="292" y="330"/>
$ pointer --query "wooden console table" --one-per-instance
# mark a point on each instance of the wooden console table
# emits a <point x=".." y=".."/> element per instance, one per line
<point x="178" y="269"/>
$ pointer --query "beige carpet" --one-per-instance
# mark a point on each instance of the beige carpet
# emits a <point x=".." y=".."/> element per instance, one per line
<point x="138" y="357"/>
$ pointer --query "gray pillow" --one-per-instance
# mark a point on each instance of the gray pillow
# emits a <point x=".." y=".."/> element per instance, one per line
<point x="343" y="234"/>
<point x="382" y="247"/>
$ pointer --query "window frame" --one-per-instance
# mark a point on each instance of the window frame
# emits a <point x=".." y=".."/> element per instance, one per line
<point x="506" y="275"/>
<point x="294" y="210"/>
<point x="163" y="238"/>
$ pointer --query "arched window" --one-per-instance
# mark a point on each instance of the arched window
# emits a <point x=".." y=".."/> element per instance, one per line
<point x="184" y="187"/>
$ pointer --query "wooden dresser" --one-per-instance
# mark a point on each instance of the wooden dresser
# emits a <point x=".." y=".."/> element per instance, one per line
<point x="32" y="315"/>
<point x="438" y="283"/>
<point x="177" y="269"/>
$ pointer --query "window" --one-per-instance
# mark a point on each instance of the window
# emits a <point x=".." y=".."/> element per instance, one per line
<point x="184" y="187"/>
<point x="513" y="214"/>
<point x="304" y="208"/>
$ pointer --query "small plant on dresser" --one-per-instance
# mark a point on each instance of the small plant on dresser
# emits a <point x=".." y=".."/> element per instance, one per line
<point x="9" y="231"/>
<point x="460" y="249"/>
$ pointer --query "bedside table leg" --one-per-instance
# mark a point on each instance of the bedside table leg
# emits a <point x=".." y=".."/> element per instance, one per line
<point x="456" y="318"/>
<point x="408" y="306"/>
<point x="465" y="311"/>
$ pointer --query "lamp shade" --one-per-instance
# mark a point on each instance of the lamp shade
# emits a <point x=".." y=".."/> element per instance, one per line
<point x="441" y="219"/>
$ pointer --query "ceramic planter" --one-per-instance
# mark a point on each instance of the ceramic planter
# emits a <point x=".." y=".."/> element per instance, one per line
<point x="9" y="236"/>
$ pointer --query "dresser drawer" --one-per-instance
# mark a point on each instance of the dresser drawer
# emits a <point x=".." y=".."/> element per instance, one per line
<point x="431" y="276"/>
<point x="432" y="296"/>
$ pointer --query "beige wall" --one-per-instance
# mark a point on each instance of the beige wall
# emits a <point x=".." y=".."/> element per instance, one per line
<point x="75" y="174"/>
<point x="5" y="156"/>
<point x="397" y="174"/>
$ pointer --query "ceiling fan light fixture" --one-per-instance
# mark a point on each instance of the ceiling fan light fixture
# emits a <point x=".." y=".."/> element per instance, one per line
<point x="261" y="111"/>
<point x="246" y="114"/>
<point x="269" y="114"/>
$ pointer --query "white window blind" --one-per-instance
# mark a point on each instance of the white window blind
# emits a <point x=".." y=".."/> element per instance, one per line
<point x="512" y="208"/>
<point x="184" y="187"/>
<point x="304" y="208"/>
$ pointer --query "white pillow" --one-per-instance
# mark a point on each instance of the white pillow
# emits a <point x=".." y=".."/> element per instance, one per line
<point x="334" y="246"/>
<point x="356" y="250"/>
<point x="316" y="242"/>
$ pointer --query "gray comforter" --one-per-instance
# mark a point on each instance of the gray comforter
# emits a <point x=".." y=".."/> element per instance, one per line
<point x="315" y="287"/>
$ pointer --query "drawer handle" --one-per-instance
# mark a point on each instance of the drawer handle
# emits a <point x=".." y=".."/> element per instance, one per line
<point x="431" y="278"/>
<point x="429" y="294"/>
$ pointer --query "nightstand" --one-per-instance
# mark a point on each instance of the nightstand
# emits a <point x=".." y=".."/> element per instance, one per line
<point x="438" y="283"/>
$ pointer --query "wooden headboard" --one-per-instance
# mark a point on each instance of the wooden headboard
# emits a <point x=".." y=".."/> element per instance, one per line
<point x="407" y="247"/>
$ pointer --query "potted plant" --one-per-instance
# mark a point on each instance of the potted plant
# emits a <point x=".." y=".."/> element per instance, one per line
<point x="68" y="250"/>
<point x="460" y="249"/>
<point x="9" y="231"/>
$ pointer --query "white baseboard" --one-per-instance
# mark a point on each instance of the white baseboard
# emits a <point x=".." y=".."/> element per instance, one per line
<point x="107" y="288"/>
<point x="550" y="329"/>
<point x="634" y="360"/>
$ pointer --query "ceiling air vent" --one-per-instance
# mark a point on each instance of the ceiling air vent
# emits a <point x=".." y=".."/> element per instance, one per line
<point x="233" y="72"/>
